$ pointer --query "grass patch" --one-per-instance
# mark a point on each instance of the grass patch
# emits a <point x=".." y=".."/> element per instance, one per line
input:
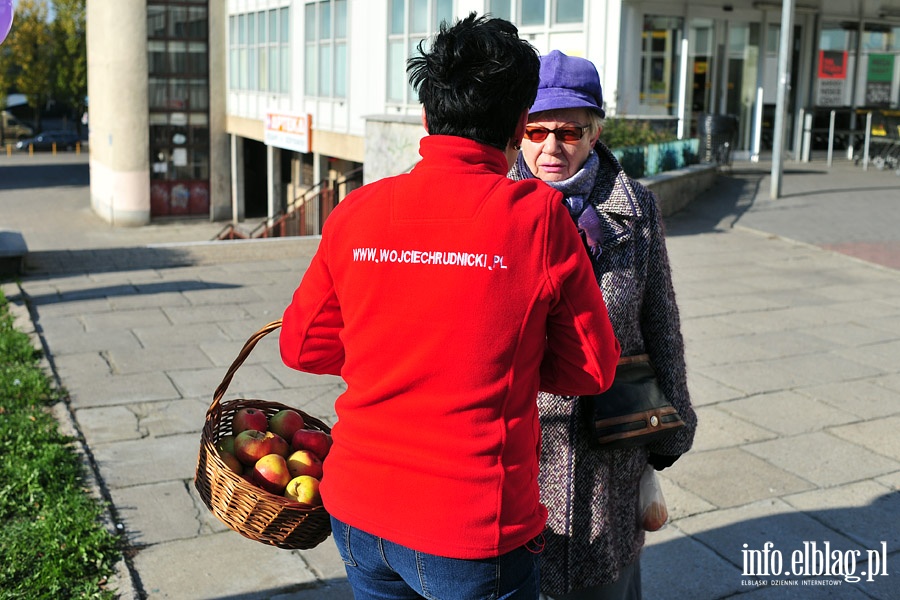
<point x="52" y="541"/>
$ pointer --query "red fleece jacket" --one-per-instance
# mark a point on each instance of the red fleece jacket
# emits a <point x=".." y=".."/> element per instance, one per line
<point x="445" y="298"/>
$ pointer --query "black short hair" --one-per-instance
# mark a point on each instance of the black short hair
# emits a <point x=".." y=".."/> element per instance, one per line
<point x="476" y="79"/>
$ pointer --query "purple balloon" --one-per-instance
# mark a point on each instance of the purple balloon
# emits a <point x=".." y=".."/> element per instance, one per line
<point x="6" y="16"/>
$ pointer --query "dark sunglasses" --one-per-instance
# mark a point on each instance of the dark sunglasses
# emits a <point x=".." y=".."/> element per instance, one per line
<point x="567" y="135"/>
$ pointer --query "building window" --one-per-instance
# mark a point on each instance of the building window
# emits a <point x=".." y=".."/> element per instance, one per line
<point x="548" y="24"/>
<point x="411" y="21"/>
<point x="261" y="82"/>
<point x="501" y="9"/>
<point x="876" y="71"/>
<point x="660" y="52"/>
<point x="260" y="51"/>
<point x="553" y="23"/>
<point x="535" y="13"/>
<point x="325" y="37"/>
<point x="569" y="11"/>
<point x="178" y="88"/>
<point x="878" y="62"/>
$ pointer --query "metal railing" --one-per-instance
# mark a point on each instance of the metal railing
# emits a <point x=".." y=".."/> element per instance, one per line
<point x="878" y="131"/>
<point x="305" y="214"/>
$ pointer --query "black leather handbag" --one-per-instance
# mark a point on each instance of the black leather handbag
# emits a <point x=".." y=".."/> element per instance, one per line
<point x="633" y="411"/>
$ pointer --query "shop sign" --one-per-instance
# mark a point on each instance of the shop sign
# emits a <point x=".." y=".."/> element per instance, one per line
<point x="289" y="131"/>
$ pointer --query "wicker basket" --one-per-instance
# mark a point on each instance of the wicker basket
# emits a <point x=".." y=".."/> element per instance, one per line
<point x="244" y="507"/>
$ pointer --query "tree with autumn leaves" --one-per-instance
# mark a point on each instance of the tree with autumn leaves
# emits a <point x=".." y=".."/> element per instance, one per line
<point x="44" y="59"/>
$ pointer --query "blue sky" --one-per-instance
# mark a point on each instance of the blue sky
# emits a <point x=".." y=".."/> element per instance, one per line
<point x="50" y="11"/>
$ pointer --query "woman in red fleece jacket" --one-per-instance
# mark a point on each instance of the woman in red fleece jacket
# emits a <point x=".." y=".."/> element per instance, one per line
<point x="446" y="298"/>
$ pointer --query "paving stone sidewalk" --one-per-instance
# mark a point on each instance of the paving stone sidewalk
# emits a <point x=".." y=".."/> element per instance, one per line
<point x="793" y="366"/>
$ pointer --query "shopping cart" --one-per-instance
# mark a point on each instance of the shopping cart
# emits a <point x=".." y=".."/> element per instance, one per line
<point x="884" y="140"/>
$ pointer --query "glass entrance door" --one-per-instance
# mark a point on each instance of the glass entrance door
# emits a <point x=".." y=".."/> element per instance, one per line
<point x="729" y="62"/>
<point x="741" y="77"/>
<point x="723" y="70"/>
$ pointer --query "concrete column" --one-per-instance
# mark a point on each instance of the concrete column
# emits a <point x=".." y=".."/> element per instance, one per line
<point x="237" y="179"/>
<point x="318" y="171"/>
<point x="119" y="132"/>
<point x="220" y="190"/>
<point x="273" y="180"/>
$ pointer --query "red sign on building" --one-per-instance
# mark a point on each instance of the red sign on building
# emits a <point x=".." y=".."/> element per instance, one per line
<point x="832" y="64"/>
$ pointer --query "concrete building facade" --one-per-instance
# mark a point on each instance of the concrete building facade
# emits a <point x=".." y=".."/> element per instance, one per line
<point x="308" y="98"/>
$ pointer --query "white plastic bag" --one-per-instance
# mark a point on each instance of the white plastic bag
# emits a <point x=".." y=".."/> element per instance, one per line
<point x="654" y="513"/>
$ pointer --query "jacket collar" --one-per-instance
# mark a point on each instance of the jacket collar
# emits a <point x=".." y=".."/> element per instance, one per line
<point x="452" y="153"/>
<point x="614" y="192"/>
<point x="615" y="200"/>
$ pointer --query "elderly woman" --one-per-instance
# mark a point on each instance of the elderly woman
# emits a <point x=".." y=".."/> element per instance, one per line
<point x="593" y="538"/>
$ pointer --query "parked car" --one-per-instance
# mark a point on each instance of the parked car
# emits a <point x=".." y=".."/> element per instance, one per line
<point x="64" y="140"/>
<point x="12" y="129"/>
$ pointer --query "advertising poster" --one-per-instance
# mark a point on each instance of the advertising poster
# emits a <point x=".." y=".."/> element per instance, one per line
<point x="878" y="79"/>
<point x="832" y="77"/>
<point x="832" y="64"/>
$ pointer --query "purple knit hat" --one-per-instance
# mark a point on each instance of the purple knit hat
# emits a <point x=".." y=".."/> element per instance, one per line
<point x="568" y="82"/>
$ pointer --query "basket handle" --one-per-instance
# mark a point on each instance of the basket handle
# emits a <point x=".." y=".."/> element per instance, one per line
<point x="241" y="357"/>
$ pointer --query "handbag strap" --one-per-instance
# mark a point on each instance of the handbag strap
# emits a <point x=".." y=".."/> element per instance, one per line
<point x="628" y="360"/>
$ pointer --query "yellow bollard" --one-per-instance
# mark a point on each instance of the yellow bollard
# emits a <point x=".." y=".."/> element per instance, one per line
<point x="54" y="148"/>
<point x="9" y="149"/>
<point x="77" y="147"/>
<point x="30" y="149"/>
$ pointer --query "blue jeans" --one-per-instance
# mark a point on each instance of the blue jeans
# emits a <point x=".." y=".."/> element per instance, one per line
<point x="381" y="570"/>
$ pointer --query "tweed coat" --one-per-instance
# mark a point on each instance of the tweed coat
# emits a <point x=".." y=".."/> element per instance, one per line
<point x="592" y="494"/>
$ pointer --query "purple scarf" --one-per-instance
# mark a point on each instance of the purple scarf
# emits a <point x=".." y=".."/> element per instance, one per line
<point x="576" y="191"/>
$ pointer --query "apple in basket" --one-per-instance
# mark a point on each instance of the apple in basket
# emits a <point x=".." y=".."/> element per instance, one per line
<point x="249" y="418"/>
<point x="279" y="444"/>
<point x="303" y="489"/>
<point x="271" y="473"/>
<point x="285" y="422"/>
<point x="304" y="462"/>
<point x="225" y="448"/>
<point x="251" y="445"/>
<point x="226" y="444"/>
<point x="231" y="462"/>
<point x="317" y="442"/>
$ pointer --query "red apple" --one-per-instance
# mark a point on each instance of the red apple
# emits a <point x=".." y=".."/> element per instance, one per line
<point x="303" y="489"/>
<point x="231" y="462"/>
<point x="317" y="442"/>
<point x="304" y="462"/>
<point x="249" y="418"/>
<point x="271" y="473"/>
<point x="251" y="445"/>
<point x="278" y="444"/>
<point x="286" y="422"/>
